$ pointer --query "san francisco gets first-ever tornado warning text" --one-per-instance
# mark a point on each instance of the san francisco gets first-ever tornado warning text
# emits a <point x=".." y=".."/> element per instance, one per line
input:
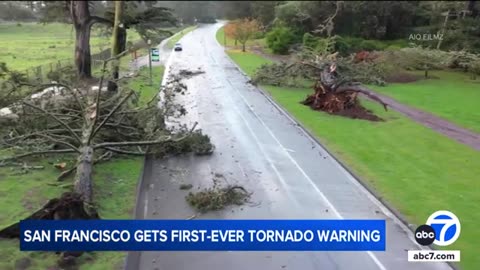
<point x="212" y="236"/>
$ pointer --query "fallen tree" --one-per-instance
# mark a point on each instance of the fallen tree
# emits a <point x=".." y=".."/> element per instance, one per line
<point x="335" y="80"/>
<point x="336" y="95"/>
<point x="94" y="125"/>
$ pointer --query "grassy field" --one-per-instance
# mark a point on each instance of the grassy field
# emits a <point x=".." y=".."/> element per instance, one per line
<point x="114" y="185"/>
<point x="179" y="36"/>
<point x="414" y="168"/>
<point x="454" y="97"/>
<point x="33" y="44"/>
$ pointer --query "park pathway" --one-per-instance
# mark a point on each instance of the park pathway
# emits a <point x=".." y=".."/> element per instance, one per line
<point x="436" y="123"/>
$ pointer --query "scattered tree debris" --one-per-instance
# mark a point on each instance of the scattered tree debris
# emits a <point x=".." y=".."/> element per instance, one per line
<point x="186" y="186"/>
<point x="84" y="119"/>
<point x="60" y="166"/>
<point x="217" y="197"/>
<point x="188" y="74"/>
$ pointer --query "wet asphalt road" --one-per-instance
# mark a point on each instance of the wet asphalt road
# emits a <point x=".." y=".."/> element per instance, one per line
<point x="258" y="147"/>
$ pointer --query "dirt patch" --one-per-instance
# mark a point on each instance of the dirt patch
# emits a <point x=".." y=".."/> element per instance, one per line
<point x="344" y="103"/>
<point x="402" y="77"/>
<point x="359" y="112"/>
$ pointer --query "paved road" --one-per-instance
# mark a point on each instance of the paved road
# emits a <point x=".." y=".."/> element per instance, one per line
<point x="260" y="148"/>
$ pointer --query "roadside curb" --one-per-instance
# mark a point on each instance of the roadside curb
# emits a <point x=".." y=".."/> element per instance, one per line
<point x="132" y="259"/>
<point x="316" y="140"/>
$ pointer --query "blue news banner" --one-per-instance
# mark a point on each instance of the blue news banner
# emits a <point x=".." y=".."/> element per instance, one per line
<point x="202" y="235"/>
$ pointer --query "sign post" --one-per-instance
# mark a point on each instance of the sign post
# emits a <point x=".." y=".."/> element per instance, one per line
<point x="150" y="60"/>
<point x="155" y="55"/>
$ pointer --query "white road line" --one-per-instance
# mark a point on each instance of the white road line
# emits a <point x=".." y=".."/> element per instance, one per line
<point x="330" y="205"/>
<point x="262" y="150"/>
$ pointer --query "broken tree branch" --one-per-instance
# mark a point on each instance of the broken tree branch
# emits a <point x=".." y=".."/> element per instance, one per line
<point x="56" y="118"/>
<point x="36" y="153"/>
<point x="139" y="143"/>
<point x="71" y="146"/>
<point x="119" y="151"/>
<point x="111" y="113"/>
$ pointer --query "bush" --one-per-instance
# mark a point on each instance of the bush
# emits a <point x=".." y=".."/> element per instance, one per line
<point x="398" y="43"/>
<point x="420" y="59"/>
<point x="258" y="35"/>
<point x="372" y="45"/>
<point x="310" y="41"/>
<point x="342" y="46"/>
<point x="279" y="39"/>
<point x="353" y="43"/>
<point x="475" y="68"/>
<point x="393" y="47"/>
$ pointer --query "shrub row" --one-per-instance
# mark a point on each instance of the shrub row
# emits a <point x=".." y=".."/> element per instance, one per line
<point x="348" y="45"/>
<point x="281" y="38"/>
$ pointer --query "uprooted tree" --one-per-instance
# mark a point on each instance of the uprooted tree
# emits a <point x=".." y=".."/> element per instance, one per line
<point x="336" y="95"/>
<point x="95" y="124"/>
<point x="336" y="81"/>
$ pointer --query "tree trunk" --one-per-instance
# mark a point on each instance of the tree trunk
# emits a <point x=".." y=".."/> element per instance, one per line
<point x="118" y="42"/>
<point x="122" y="39"/>
<point x="83" y="178"/>
<point x="444" y="28"/>
<point x="243" y="46"/>
<point x="82" y="52"/>
<point x="472" y="9"/>
<point x="82" y="23"/>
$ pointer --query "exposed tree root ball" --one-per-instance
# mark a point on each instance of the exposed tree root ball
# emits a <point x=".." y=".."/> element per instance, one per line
<point x="68" y="206"/>
<point x="341" y="103"/>
<point x="334" y="95"/>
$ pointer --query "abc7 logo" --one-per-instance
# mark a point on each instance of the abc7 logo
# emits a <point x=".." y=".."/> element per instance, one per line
<point x="442" y="229"/>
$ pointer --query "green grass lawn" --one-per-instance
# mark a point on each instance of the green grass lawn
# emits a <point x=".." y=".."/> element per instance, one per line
<point x="414" y="168"/>
<point x="114" y="194"/>
<point x="115" y="191"/>
<point x="179" y="36"/>
<point x="33" y="44"/>
<point x="142" y="83"/>
<point x="453" y="97"/>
